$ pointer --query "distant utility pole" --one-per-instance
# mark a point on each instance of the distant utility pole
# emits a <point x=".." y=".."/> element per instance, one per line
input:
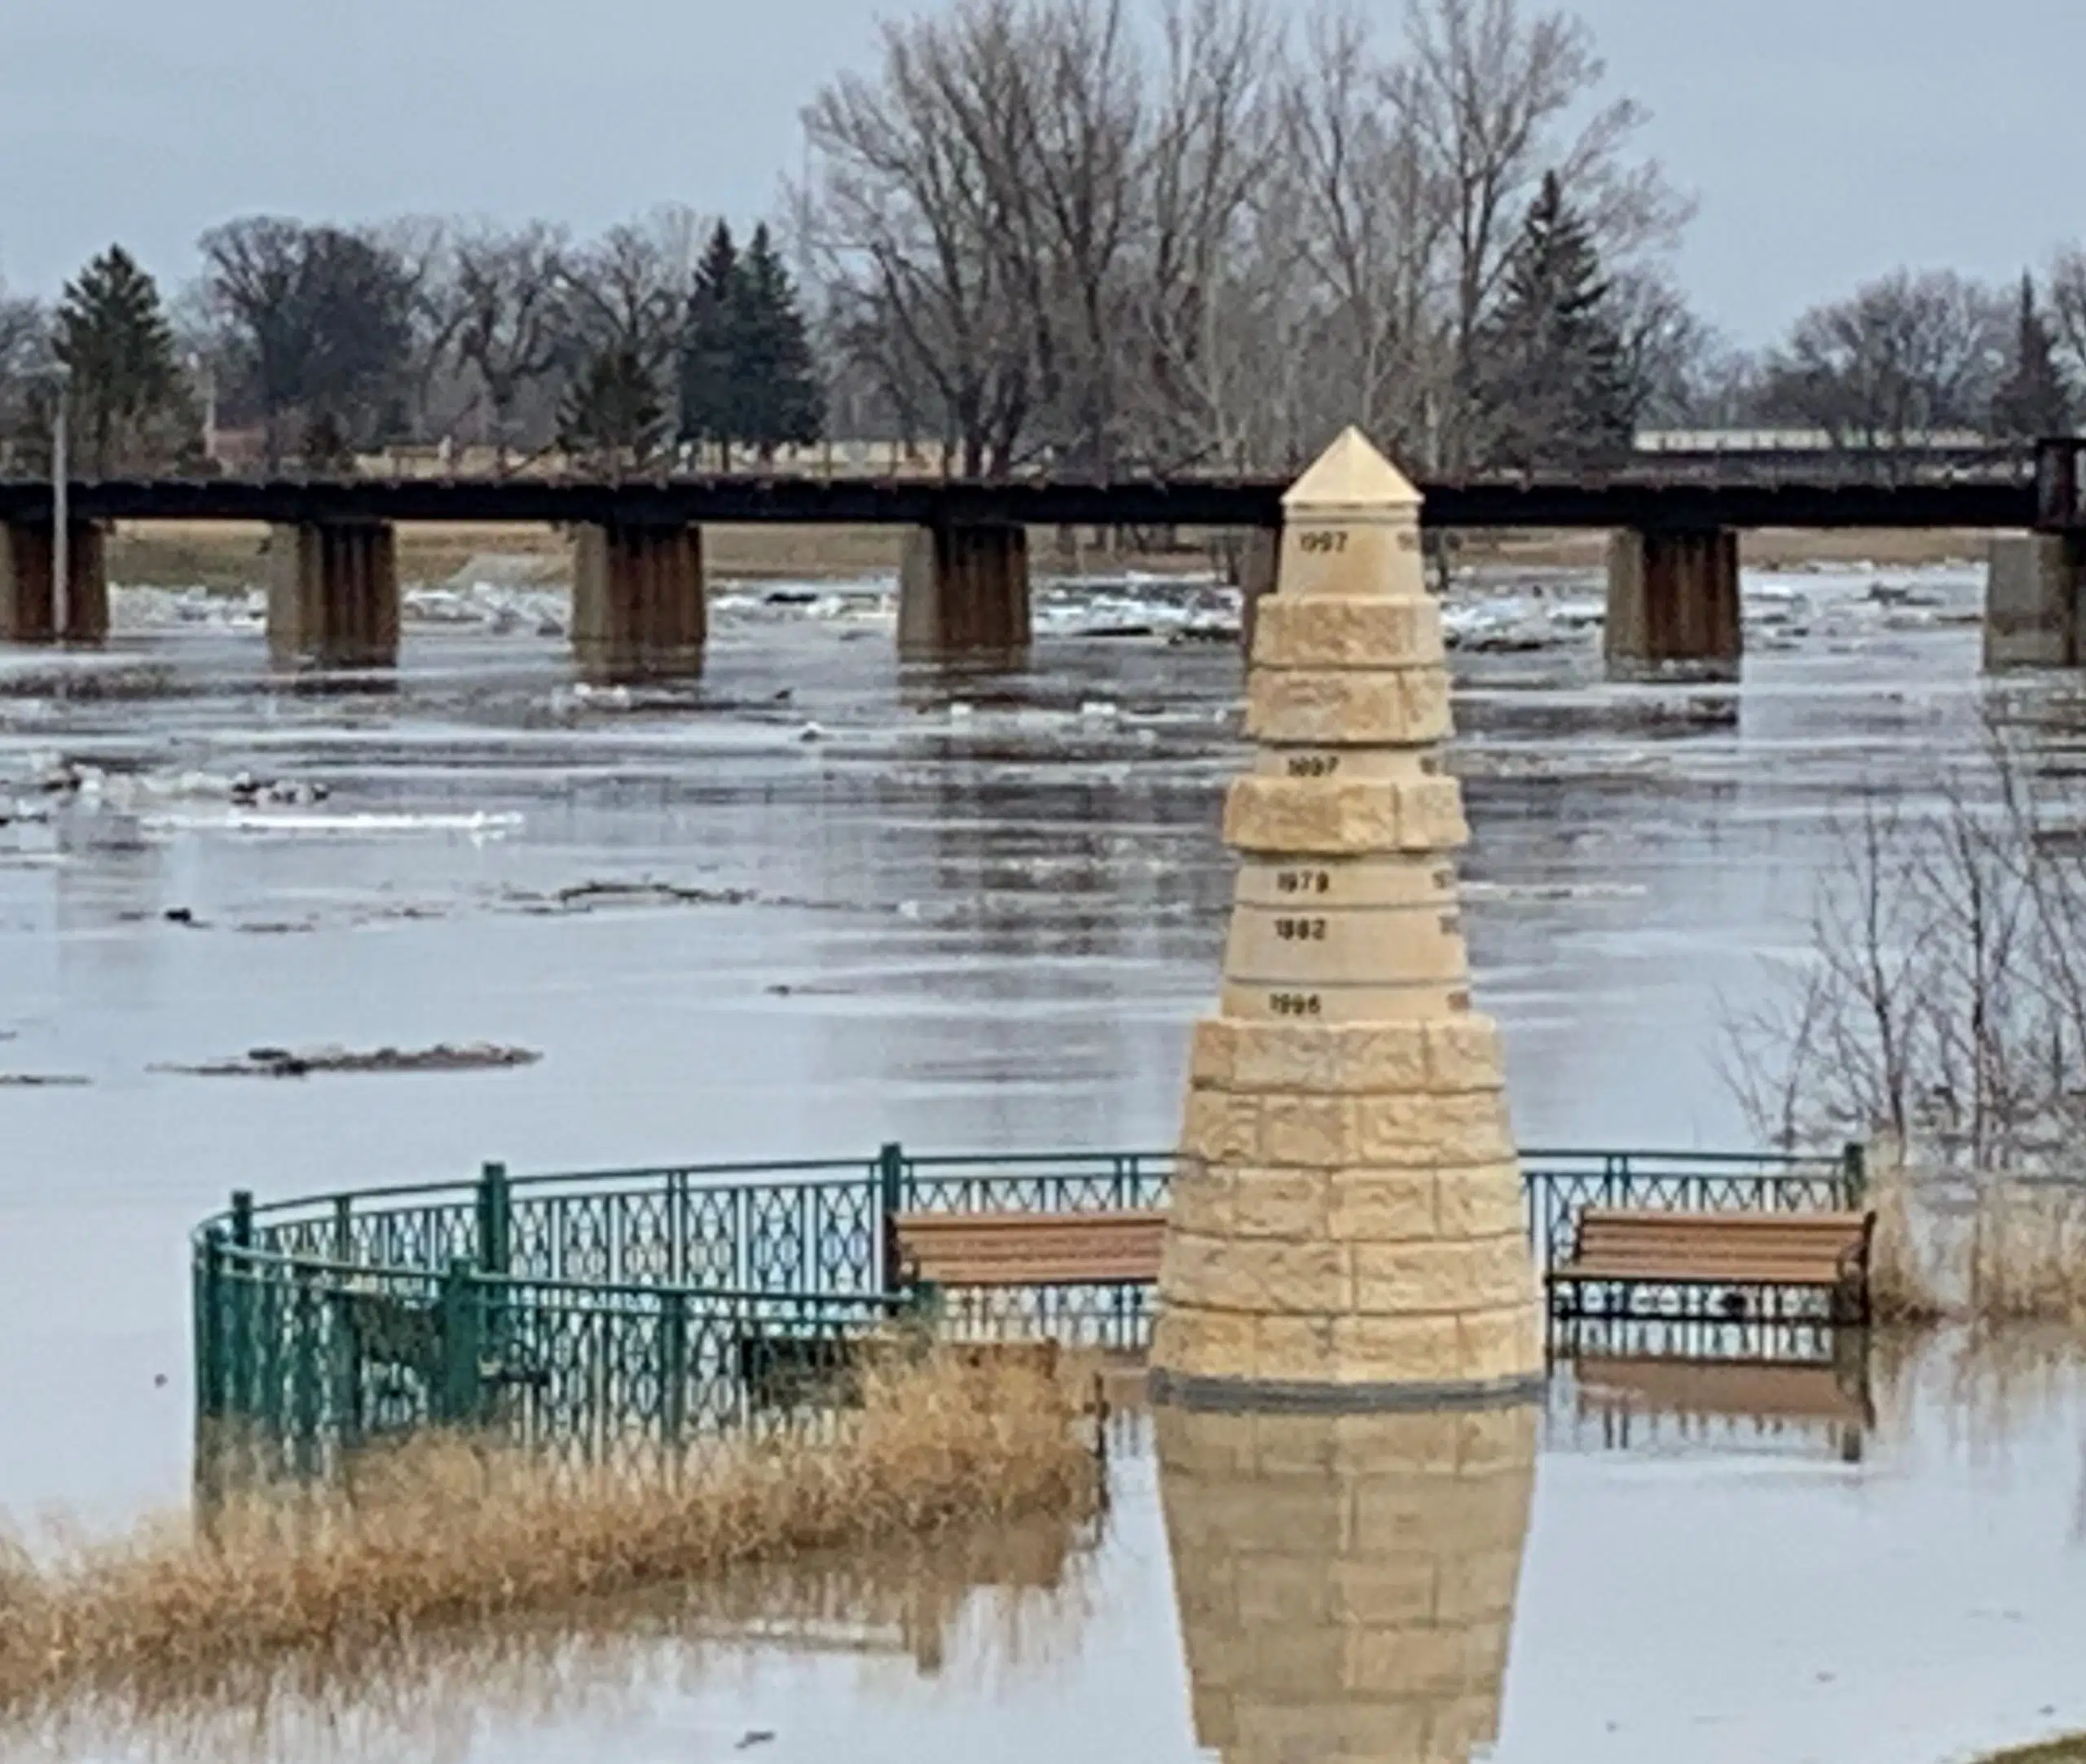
<point x="61" y="508"/>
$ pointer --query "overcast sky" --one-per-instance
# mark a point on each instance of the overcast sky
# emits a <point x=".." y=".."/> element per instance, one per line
<point x="1826" y="140"/>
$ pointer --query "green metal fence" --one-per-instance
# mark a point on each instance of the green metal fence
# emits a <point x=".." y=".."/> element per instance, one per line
<point x="639" y="1310"/>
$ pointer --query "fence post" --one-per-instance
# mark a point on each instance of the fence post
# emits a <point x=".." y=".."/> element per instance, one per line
<point x="209" y="1330"/>
<point x="673" y="1371"/>
<point x="305" y="1310"/>
<point x="891" y="1199"/>
<point x="495" y="1217"/>
<point x="344" y="1229"/>
<point x="1854" y="1172"/>
<point x="238" y="1288"/>
<point x="212" y="1449"/>
<point x="462" y="1344"/>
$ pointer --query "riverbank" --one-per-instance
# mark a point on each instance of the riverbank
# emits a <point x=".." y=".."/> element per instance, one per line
<point x="227" y="556"/>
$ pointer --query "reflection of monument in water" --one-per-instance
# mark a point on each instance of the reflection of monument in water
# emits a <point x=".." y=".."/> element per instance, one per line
<point x="1346" y="1583"/>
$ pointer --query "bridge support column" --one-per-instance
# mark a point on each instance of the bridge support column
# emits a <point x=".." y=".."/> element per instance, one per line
<point x="1673" y="606"/>
<point x="2033" y="612"/>
<point x="333" y="595"/>
<point x="1346" y="1226"/>
<point x="28" y="606"/>
<point x="1259" y="553"/>
<point x="964" y="591"/>
<point x="640" y="605"/>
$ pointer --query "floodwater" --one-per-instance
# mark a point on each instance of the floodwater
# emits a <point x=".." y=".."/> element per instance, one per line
<point x="821" y="902"/>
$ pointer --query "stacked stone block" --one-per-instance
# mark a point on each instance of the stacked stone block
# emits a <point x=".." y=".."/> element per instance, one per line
<point x="1346" y="1583"/>
<point x="1347" y="1215"/>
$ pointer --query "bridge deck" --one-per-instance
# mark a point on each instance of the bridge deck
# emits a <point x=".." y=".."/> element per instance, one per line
<point x="1685" y="500"/>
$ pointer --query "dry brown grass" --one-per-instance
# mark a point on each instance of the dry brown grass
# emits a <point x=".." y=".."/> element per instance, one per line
<point x="2007" y="1251"/>
<point x="444" y="1535"/>
<point x="2071" y="1751"/>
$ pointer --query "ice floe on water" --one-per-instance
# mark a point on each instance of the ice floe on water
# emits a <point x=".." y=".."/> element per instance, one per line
<point x="1487" y="608"/>
<point x="479" y="824"/>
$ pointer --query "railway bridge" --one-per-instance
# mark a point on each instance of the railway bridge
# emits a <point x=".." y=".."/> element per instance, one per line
<point x="639" y="589"/>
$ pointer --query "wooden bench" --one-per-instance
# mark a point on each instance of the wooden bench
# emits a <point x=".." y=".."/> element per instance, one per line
<point x="1734" y="1259"/>
<point x="1017" y="1249"/>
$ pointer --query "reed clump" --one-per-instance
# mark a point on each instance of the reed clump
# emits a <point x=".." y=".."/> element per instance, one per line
<point x="1988" y="1249"/>
<point x="447" y="1532"/>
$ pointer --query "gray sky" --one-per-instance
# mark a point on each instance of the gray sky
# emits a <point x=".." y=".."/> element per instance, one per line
<point x="1827" y="140"/>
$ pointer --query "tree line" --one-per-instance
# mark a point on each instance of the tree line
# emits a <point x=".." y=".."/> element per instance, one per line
<point x="1093" y="236"/>
<point x="322" y="341"/>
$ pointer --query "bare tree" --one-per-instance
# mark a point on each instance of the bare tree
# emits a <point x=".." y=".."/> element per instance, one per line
<point x="911" y="212"/>
<point x="623" y="304"/>
<point x="510" y="332"/>
<point x="1942" y="998"/>
<point x="2068" y="299"/>
<point x="1498" y="99"/>
<point x="1370" y="229"/>
<point x="25" y="360"/>
<point x="1214" y="267"/>
<point x="320" y="321"/>
<point x="1901" y="357"/>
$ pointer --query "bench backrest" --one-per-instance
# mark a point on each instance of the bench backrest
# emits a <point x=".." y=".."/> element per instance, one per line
<point x="1769" y="1246"/>
<point x="985" y="1249"/>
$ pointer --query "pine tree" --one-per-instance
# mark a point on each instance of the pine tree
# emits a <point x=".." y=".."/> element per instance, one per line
<point x="777" y="401"/>
<point x="708" y="375"/>
<point x="129" y="401"/>
<point x="611" y="415"/>
<point x="2035" y="401"/>
<point x="1551" y="387"/>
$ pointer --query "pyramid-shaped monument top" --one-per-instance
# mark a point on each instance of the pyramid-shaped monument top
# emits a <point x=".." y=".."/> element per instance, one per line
<point x="1351" y="478"/>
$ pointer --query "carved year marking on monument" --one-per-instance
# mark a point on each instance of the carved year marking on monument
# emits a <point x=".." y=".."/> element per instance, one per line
<point x="1314" y="765"/>
<point x="1295" y="1004"/>
<point x="1303" y="881"/>
<point x="1300" y="930"/>
<point x="1316" y="543"/>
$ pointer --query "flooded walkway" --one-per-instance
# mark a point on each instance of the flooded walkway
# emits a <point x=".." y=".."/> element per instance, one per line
<point x="971" y="913"/>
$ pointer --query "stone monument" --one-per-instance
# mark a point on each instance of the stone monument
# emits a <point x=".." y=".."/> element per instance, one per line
<point x="1347" y="1221"/>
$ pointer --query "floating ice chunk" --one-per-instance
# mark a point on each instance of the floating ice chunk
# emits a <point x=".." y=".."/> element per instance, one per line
<point x="484" y="823"/>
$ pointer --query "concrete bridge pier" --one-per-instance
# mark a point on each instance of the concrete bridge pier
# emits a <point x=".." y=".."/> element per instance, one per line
<point x="2033" y="614"/>
<point x="333" y="595"/>
<point x="1260" y="556"/>
<point x="639" y="606"/>
<point x="29" y="606"/>
<point x="963" y="590"/>
<point x="1673" y="606"/>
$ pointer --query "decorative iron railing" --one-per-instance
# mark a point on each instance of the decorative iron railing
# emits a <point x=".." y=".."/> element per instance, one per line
<point x="634" y="1309"/>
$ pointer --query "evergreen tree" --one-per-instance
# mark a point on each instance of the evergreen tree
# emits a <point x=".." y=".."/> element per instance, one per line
<point x="777" y="401"/>
<point x="130" y="404"/>
<point x="2035" y="400"/>
<point x="1551" y="386"/>
<point x="611" y="415"/>
<point x="709" y="390"/>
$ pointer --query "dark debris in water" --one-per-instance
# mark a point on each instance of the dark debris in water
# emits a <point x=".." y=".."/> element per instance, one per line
<point x="589" y="896"/>
<point x="285" y="1062"/>
<point x="42" y="1081"/>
